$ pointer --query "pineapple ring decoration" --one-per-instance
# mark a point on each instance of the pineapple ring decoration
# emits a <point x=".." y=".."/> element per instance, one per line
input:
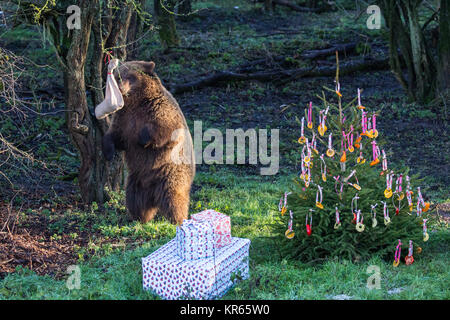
<point x="323" y="169"/>
<point x="388" y="190"/>
<point x="374" y="215"/>
<point x="310" y="124"/>
<point x="359" y="222"/>
<point x="289" y="232"/>
<point x="319" y="197"/>
<point x="409" y="194"/>
<point x="337" y="225"/>
<point x="322" y="126"/>
<point x="387" y="220"/>
<point x="354" y="208"/>
<point x="354" y="185"/>
<point x="330" y="150"/>
<point x="302" y="138"/>
<point x="397" y="254"/>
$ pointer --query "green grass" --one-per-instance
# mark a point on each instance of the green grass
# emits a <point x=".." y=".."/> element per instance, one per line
<point x="251" y="202"/>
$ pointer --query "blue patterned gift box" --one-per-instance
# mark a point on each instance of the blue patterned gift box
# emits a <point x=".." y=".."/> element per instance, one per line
<point x="169" y="276"/>
<point x="195" y="240"/>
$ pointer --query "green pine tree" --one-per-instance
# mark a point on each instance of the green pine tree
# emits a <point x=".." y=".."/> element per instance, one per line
<point x="363" y="182"/>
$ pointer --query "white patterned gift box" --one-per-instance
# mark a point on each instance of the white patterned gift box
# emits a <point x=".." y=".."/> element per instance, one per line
<point x="221" y="224"/>
<point x="195" y="240"/>
<point x="171" y="277"/>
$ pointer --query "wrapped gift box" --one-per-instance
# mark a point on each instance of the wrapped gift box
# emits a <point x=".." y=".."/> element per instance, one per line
<point x="195" y="240"/>
<point x="221" y="224"/>
<point x="171" y="277"/>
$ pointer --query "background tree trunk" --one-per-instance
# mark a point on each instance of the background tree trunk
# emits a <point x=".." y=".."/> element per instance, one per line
<point x="443" y="83"/>
<point x="408" y="47"/>
<point x="268" y="5"/>
<point x="109" y="174"/>
<point x="184" y="6"/>
<point x="166" y="22"/>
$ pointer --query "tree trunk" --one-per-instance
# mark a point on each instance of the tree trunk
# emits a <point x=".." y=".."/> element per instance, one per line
<point x="166" y="21"/>
<point x="109" y="173"/>
<point x="443" y="81"/>
<point x="268" y="5"/>
<point x="184" y="7"/>
<point x="79" y="120"/>
<point x="407" y="47"/>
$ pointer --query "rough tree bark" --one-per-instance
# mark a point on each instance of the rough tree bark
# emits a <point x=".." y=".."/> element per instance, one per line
<point x="166" y="21"/>
<point x="408" y="47"/>
<point x="184" y="6"/>
<point x="104" y="33"/>
<point x="443" y="81"/>
<point x="79" y="120"/>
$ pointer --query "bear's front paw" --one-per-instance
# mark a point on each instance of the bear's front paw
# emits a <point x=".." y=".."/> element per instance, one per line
<point x="144" y="137"/>
<point x="108" y="149"/>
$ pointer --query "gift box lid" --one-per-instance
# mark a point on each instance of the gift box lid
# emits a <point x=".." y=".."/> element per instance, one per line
<point x="220" y="221"/>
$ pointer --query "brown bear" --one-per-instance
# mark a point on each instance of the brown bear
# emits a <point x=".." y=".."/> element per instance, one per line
<point x="152" y="131"/>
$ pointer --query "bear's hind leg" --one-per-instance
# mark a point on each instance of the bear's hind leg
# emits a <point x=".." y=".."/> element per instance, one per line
<point x="139" y="204"/>
<point x="176" y="205"/>
<point x="148" y="214"/>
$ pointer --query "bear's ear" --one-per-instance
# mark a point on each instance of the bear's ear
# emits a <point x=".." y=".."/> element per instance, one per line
<point x="148" y="67"/>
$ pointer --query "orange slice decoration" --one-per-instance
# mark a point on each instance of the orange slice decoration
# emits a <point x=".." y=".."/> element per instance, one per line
<point x="319" y="205"/>
<point x="343" y="157"/>
<point x="427" y="207"/>
<point x="301" y="140"/>
<point x="375" y="162"/>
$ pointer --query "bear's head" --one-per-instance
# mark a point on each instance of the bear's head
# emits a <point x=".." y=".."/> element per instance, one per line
<point x="130" y="83"/>
<point x="131" y="76"/>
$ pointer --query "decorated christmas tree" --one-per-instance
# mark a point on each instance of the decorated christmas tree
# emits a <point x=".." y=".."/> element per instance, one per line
<point x="346" y="201"/>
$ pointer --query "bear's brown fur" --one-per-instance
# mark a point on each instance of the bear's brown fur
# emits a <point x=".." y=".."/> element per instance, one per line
<point x="144" y="129"/>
